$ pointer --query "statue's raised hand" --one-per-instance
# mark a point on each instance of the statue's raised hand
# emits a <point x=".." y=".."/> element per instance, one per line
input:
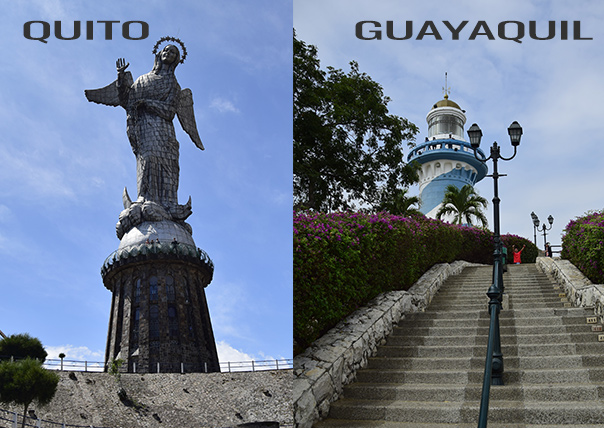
<point x="121" y="65"/>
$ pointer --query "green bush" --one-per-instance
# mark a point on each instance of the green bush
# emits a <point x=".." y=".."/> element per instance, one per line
<point x="582" y="245"/>
<point x="20" y="346"/>
<point x="343" y="260"/>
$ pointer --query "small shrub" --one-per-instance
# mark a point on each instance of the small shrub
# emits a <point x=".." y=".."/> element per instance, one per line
<point x="114" y="369"/>
<point x="582" y="245"/>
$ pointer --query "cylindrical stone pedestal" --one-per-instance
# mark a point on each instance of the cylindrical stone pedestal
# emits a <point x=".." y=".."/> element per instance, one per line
<point x="159" y="319"/>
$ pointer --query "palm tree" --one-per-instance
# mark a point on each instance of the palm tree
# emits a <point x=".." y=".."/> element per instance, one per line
<point x="463" y="204"/>
<point x="400" y="204"/>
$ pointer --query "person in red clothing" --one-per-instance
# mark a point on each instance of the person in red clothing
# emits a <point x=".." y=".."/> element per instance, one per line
<point x="517" y="254"/>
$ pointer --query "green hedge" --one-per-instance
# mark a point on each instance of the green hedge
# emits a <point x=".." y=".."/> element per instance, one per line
<point x="582" y="245"/>
<point x="343" y="260"/>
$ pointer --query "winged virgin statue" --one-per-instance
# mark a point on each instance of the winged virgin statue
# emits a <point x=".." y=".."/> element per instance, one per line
<point x="151" y="102"/>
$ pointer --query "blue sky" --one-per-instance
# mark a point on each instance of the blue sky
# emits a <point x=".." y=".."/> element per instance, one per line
<point x="65" y="161"/>
<point x="553" y="88"/>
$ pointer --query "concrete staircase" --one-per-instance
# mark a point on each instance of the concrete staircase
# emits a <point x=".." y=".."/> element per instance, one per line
<point x="429" y="373"/>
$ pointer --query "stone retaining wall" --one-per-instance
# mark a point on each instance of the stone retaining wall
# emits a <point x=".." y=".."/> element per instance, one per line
<point x="580" y="291"/>
<point x="200" y="400"/>
<point x="331" y="362"/>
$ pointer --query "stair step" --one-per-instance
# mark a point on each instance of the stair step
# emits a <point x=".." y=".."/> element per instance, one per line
<point x="527" y="362"/>
<point x="502" y="411"/>
<point x="482" y="313"/>
<point x="511" y="376"/>
<point x="456" y="300"/>
<point x="545" y="327"/>
<point x="472" y="392"/>
<point x="547" y="337"/>
<point x="551" y="321"/>
<point x="479" y="350"/>
<point x="341" y="423"/>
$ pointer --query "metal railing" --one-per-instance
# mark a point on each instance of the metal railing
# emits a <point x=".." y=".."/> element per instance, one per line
<point x="10" y="419"/>
<point x="74" y="366"/>
<point x="493" y="369"/>
<point x="493" y="372"/>
<point x="226" y="367"/>
<point x="245" y="366"/>
<point x="556" y="250"/>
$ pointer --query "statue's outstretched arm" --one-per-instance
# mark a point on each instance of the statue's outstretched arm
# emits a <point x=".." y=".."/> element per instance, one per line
<point x="115" y="93"/>
<point x="124" y="81"/>
<point x="186" y="116"/>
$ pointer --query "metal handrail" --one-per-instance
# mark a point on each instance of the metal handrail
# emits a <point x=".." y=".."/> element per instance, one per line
<point x="494" y="356"/>
<point x="494" y="363"/>
<point x="14" y="418"/>
<point x="225" y="367"/>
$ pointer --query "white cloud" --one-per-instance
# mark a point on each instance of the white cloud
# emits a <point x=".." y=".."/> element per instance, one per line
<point x="227" y="353"/>
<point x="74" y="353"/>
<point x="224" y="106"/>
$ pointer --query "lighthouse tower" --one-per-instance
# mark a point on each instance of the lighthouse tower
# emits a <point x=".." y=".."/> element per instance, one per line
<point x="445" y="157"/>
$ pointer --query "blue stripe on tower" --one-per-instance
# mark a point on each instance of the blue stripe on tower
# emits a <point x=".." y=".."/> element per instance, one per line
<point x="433" y="193"/>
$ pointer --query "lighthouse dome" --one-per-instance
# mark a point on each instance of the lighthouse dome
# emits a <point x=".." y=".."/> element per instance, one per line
<point x="446" y="102"/>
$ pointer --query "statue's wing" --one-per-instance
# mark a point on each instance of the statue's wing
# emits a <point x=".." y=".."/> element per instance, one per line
<point x="109" y="95"/>
<point x="186" y="116"/>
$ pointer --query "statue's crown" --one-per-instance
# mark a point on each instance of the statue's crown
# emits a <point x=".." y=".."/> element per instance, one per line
<point x="172" y="39"/>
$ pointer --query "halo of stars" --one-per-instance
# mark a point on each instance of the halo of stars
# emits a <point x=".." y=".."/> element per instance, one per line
<point x="172" y="39"/>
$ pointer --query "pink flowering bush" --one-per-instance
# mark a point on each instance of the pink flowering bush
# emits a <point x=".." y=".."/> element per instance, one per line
<point x="582" y="244"/>
<point x="343" y="260"/>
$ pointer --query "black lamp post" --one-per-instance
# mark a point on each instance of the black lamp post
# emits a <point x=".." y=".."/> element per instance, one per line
<point x="495" y="359"/>
<point x="544" y="229"/>
<point x="535" y="225"/>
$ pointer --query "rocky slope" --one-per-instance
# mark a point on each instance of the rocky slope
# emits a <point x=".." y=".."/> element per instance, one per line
<point x="213" y="400"/>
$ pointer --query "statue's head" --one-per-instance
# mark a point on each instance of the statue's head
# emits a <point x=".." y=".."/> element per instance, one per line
<point x="167" y="59"/>
<point x="169" y="55"/>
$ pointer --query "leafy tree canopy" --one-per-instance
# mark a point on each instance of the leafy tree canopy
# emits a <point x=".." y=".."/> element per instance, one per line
<point x="348" y="148"/>
<point x="22" y="346"/>
<point x="463" y="204"/>
<point x="25" y="381"/>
